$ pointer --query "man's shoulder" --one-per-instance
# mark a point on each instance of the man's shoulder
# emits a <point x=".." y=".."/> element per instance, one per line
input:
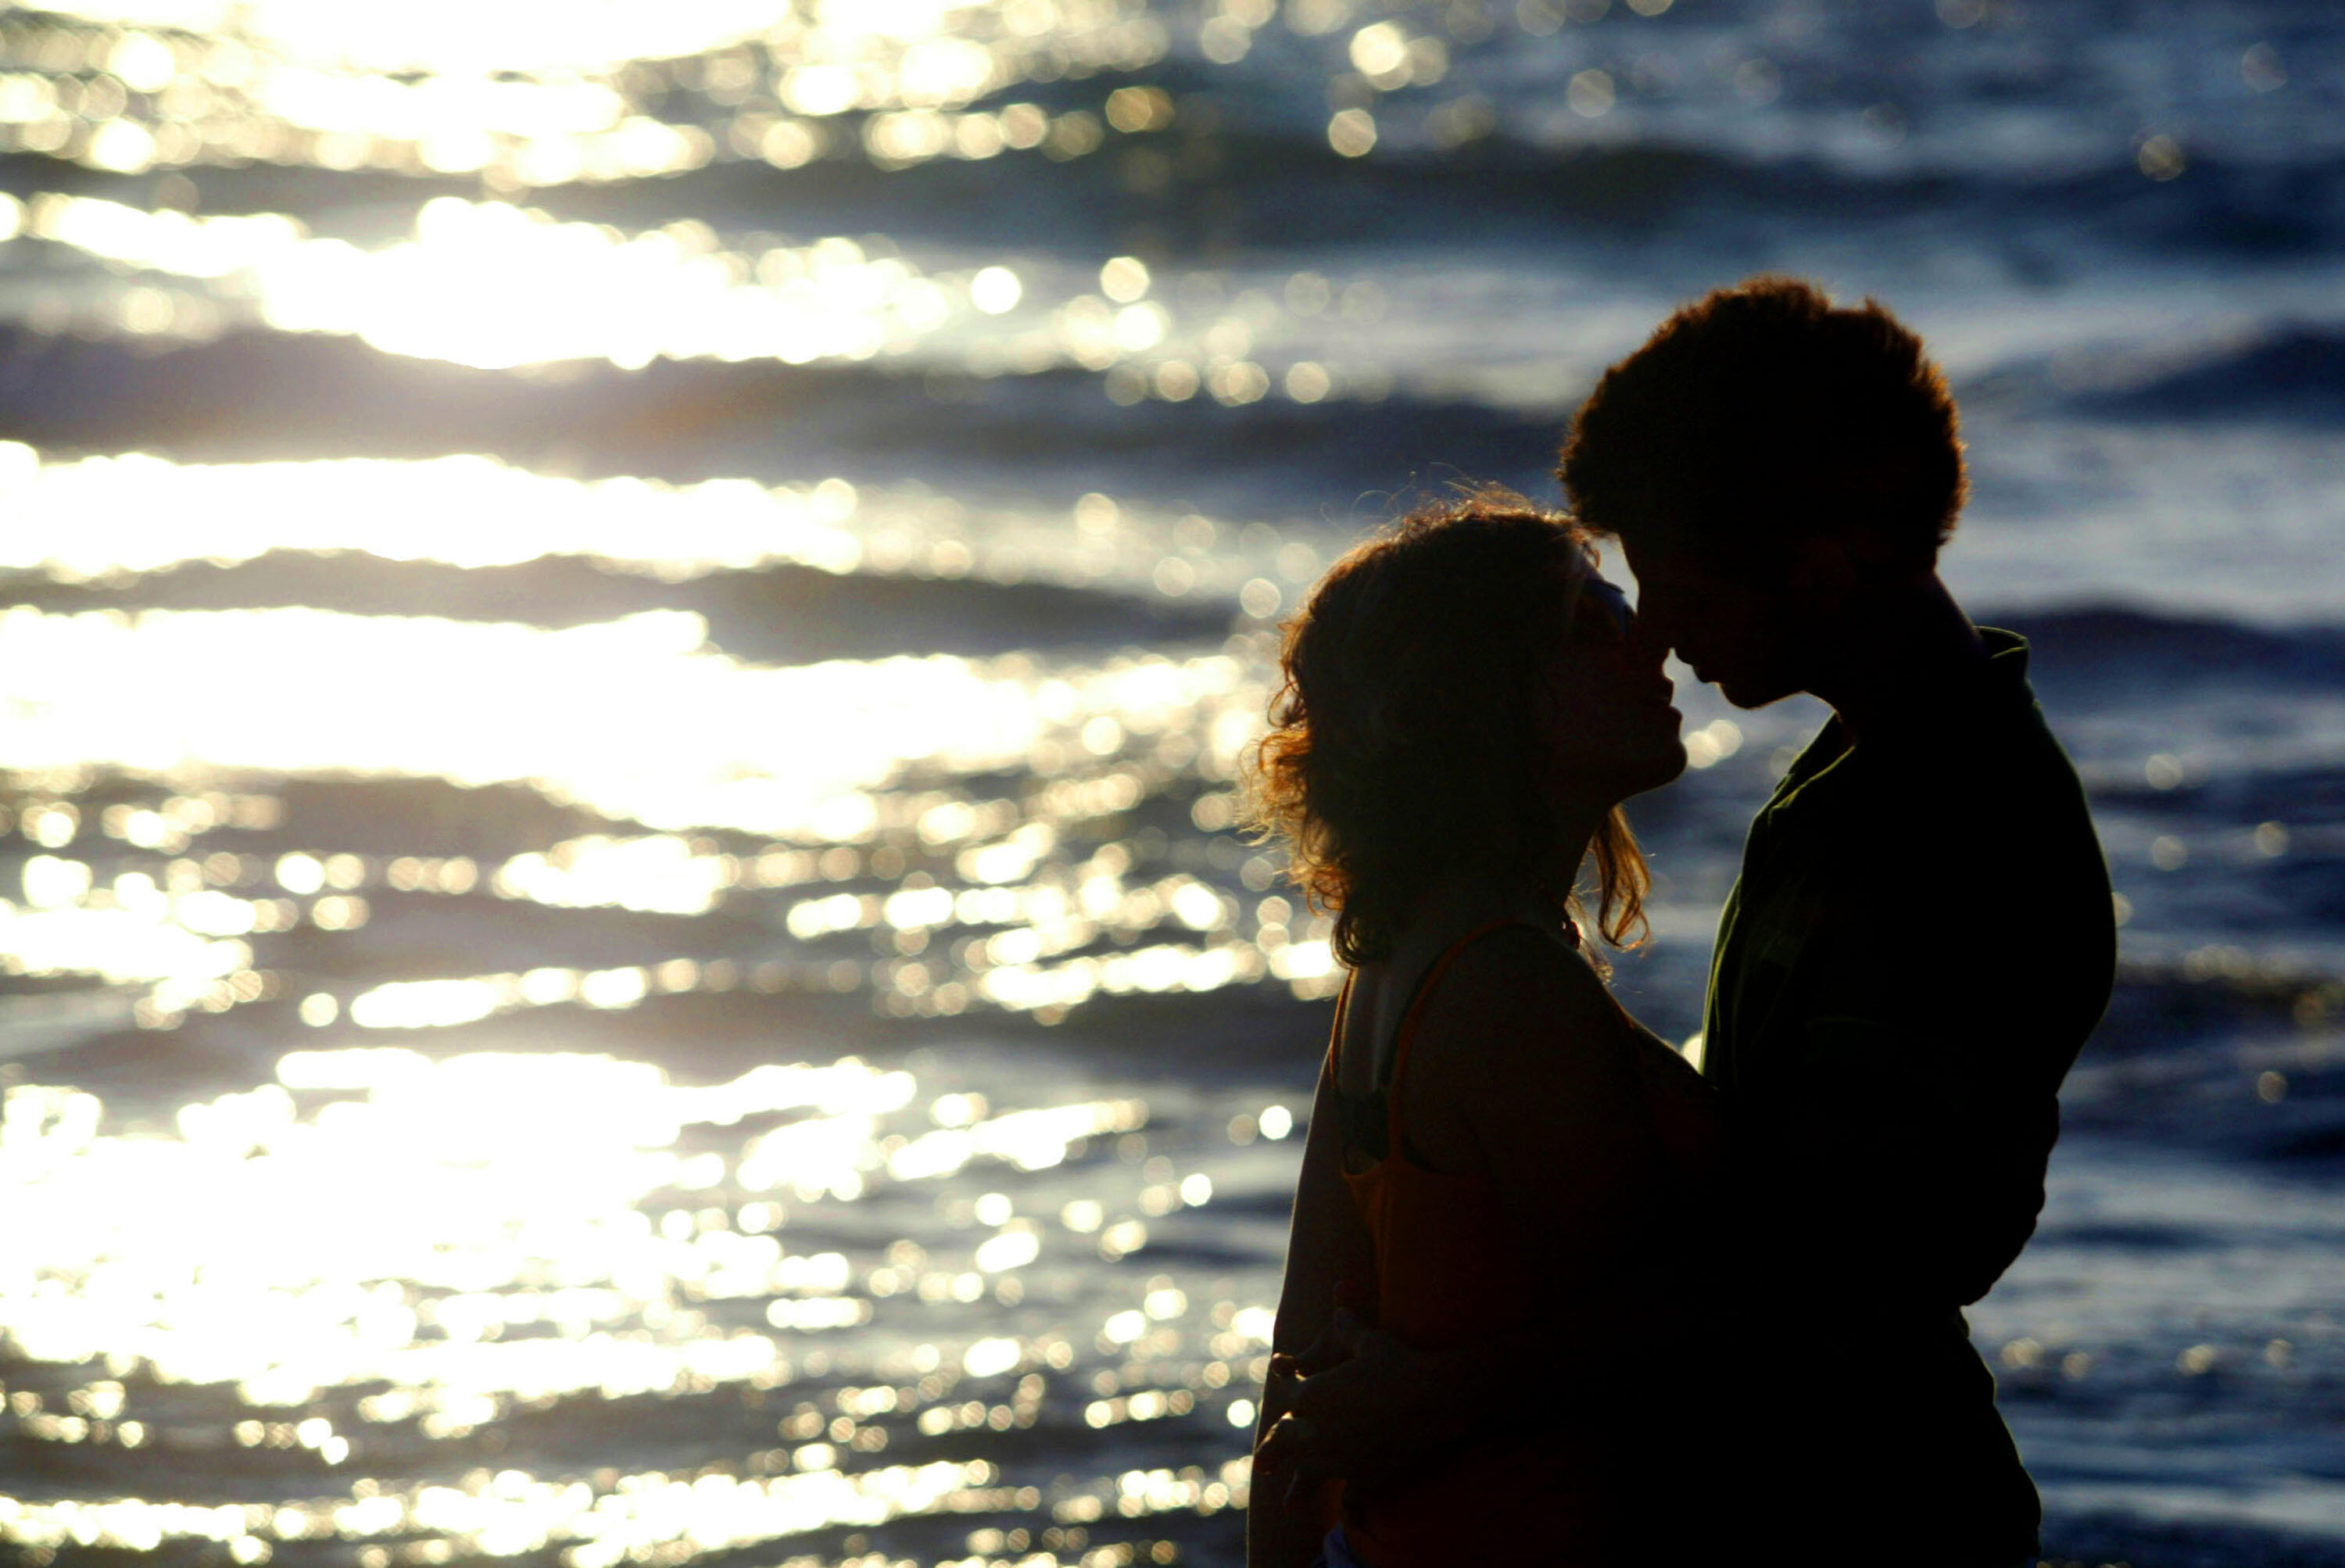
<point x="1930" y="815"/>
<point x="1988" y="746"/>
<point x="2024" y="777"/>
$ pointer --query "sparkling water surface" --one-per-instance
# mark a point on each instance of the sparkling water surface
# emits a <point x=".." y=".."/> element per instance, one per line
<point x="630" y="635"/>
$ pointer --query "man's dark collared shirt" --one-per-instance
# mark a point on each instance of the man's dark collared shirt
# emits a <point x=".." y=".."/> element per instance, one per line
<point x="1920" y="939"/>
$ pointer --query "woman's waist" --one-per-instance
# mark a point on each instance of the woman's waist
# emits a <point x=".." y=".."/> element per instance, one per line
<point x="1441" y="1286"/>
<point x="1556" y="1487"/>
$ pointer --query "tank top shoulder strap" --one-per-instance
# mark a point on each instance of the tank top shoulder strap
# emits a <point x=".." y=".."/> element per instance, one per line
<point x="1336" y="1034"/>
<point x="1361" y="1118"/>
<point x="1406" y="1038"/>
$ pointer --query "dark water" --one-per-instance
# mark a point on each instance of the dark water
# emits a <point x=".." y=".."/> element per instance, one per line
<point x="631" y="631"/>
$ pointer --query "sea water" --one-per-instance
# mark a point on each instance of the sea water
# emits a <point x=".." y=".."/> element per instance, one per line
<point x="631" y="631"/>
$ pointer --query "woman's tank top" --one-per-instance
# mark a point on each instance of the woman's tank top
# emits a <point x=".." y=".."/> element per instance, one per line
<point x="1451" y="1270"/>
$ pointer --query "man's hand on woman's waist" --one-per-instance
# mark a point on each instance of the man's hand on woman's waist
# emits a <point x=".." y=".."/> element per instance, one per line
<point x="1361" y="1406"/>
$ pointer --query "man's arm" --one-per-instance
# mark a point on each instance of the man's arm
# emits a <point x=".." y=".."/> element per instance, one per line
<point x="1913" y="1150"/>
<point x="1362" y="1406"/>
<point x="1905" y="1121"/>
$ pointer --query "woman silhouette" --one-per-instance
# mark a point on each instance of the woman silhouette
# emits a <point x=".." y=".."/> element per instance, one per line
<point x="1496" y="1145"/>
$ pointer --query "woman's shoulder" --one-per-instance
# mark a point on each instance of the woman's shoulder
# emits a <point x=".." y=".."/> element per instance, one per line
<point x="1521" y="1045"/>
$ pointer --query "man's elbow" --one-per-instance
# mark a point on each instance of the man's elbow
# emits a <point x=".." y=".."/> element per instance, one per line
<point x="1969" y="1253"/>
<point x="1968" y="1285"/>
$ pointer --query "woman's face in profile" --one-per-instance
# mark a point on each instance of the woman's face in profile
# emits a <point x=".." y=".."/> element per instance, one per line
<point x="1612" y="731"/>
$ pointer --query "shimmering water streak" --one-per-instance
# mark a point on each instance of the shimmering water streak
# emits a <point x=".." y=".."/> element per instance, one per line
<point x="1023" y="946"/>
<point x="492" y="1194"/>
<point x="165" y="929"/>
<point x="670" y="1517"/>
<point x="530" y="95"/>
<point x="1014" y="897"/>
<point x="81" y="519"/>
<point x="497" y="286"/>
<point x="488" y="1235"/>
<point x="974" y="972"/>
<point x="712" y="742"/>
<point x="494" y="285"/>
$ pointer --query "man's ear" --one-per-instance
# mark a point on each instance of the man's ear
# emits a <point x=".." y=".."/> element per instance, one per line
<point x="1824" y="572"/>
<point x="1871" y="549"/>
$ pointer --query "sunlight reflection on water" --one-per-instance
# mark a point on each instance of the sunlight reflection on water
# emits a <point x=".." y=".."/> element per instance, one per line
<point x="855" y="776"/>
<point x="381" y="1254"/>
<point x="381" y="1177"/>
<point x="714" y="742"/>
<point x="495" y="286"/>
<point x="107" y="520"/>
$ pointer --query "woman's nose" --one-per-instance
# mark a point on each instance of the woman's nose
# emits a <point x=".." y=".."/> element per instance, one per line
<point x="1648" y="640"/>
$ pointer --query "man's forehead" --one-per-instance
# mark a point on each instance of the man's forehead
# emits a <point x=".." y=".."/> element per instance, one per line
<point x="1653" y="560"/>
<point x="1648" y="559"/>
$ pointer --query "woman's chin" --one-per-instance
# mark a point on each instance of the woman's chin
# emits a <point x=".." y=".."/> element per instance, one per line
<point x="1645" y="774"/>
<point x="1669" y="764"/>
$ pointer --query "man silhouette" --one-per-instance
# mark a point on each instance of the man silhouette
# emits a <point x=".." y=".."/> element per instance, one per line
<point x="1919" y="944"/>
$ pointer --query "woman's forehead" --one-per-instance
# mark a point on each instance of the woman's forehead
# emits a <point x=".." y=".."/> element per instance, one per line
<point x="1606" y="596"/>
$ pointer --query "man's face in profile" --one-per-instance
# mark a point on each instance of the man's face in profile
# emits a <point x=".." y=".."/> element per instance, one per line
<point x="1735" y="626"/>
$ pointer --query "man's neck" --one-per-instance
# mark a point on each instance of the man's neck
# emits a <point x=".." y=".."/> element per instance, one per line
<point x="1892" y="649"/>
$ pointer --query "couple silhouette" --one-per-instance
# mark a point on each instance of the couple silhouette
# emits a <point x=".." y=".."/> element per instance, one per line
<point x="1556" y="1293"/>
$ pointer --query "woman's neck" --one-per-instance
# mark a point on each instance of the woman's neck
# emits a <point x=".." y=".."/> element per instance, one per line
<point x="1535" y="891"/>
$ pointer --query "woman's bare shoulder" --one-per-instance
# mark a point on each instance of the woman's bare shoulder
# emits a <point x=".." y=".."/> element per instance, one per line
<point x="1521" y="1045"/>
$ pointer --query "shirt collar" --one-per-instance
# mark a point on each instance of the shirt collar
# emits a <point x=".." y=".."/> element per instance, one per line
<point x="1991" y="685"/>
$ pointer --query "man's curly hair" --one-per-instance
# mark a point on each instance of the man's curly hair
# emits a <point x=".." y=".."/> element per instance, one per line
<point x="1762" y="412"/>
<point x="1410" y="733"/>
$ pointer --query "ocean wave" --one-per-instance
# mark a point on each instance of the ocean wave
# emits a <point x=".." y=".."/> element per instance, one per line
<point x="257" y="394"/>
<point x="2283" y="371"/>
<point x="774" y="615"/>
<point x="2218" y="1053"/>
<point x="1269" y="185"/>
<point x="203" y="320"/>
<point x="2108" y="644"/>
<point x="2097" y="1531"/>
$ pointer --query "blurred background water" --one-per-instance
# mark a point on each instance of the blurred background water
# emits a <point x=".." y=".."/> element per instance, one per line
<point x="630" y="626"/>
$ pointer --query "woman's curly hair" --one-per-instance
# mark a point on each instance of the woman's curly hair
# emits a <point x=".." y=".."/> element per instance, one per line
<point x="1410" y="732"/>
